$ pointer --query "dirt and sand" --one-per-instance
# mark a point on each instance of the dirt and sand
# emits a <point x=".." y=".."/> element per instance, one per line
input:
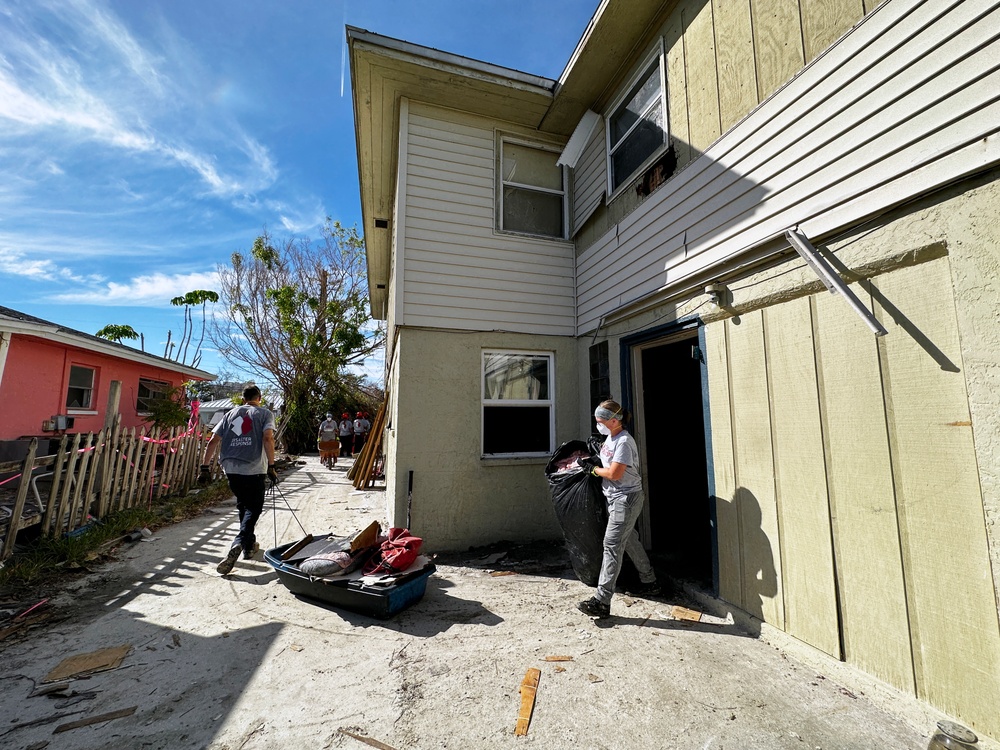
<point x="236" y="662"/>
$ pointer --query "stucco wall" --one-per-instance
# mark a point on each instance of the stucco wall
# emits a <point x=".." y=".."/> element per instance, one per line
<point x="461" y="499"/>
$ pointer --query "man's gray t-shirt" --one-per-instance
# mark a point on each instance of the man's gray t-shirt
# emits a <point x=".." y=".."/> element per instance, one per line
<point x="242" y="435"/>
<point x="621" y="449"/>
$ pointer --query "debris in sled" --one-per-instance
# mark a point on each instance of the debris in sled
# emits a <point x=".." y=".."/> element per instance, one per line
<point x="297" y="546"/>
<point x="558" y="658"/>
<point x="367" y="740"/>
<point x="368" y="537"/>
<point x="86" y="664"/>
<point x="529" y="686"/>
<point x="95" y="719"/>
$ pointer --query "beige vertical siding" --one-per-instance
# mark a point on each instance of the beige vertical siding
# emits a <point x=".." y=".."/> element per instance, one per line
<point x="458" y="271"/>
<point x="854" y="489"/>
<point x="800" y="478"/>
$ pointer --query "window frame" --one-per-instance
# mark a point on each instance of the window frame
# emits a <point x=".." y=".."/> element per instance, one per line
<point x="655" y="57"/>
<point x="138" y="403"/>
<point x="89" y="407"/>
<point x="549" y="402"/>
<point x="501" y="184"/>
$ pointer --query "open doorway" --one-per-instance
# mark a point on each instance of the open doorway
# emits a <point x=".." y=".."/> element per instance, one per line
<point x="671" y="409"/>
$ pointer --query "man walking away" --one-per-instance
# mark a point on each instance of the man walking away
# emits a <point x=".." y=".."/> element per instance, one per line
<point x="346" y="435"/>
<point x="246" y="437"/>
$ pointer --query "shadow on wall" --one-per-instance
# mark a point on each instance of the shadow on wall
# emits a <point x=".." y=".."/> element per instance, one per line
<point x="760" y="579"/>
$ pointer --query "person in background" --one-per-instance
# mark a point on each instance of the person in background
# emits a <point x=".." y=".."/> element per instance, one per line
<point x="361" y="427"/>
<point x="346" y="435"/>
<point x="329" y="432"/>
<point x="245" y="441"/>
<point x="622" y="487"/>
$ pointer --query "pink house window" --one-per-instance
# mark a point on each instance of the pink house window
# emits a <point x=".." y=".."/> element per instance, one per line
<point x="81" y="387"/>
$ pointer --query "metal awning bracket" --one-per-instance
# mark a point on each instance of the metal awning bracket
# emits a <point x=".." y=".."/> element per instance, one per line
<point x="830" y="278"/>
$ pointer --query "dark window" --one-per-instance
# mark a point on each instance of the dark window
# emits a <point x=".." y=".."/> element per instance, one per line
<point x="637" y="126"/>
<point x="150" y="390"/>
<point x="600" y="374"/>
<point x="80" y="394"/>
<point x="518" y="406"/>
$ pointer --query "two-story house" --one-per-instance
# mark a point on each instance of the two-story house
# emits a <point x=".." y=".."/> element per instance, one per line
<point x="770" y="230"/>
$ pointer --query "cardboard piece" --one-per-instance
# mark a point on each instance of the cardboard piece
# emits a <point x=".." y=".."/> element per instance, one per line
<point x="85" y="664"/>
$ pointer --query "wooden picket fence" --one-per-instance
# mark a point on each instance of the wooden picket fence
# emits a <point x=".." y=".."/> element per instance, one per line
<point x="93" y="475"/>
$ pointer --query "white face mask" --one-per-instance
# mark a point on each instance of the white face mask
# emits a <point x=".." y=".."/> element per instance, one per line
<point x="603" y="429"/>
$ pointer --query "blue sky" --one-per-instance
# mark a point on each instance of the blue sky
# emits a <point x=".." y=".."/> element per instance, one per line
<point x="141" y="143"/>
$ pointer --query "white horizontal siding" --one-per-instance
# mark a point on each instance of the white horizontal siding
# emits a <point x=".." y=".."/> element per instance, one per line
<point x="458" y="271"/>
<point x="589" y="178"/>
<point x="906" y="102"/>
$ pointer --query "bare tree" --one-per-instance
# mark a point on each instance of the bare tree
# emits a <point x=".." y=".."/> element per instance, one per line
<point x="297" y="317"/>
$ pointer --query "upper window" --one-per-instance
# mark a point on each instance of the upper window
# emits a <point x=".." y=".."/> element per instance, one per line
<point x="80" y="394"/>
<point x="150" y="390"/>
<point x="532" y="190"/>
<point x="518" y="404"/>
<point x="637" y="125"/>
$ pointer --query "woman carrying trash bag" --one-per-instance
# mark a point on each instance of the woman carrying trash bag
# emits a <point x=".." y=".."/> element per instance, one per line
<point x="622" y="487"/>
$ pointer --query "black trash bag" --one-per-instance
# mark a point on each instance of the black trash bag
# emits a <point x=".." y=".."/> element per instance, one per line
<point x="581" y="510"/>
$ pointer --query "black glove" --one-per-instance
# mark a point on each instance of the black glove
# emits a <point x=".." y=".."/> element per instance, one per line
<point x="204" y="474"/>
<point x="590" y="462"/>
<point x="272" y="474"/>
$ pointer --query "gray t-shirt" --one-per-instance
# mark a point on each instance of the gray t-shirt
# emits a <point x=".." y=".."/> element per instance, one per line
<point x="621" y="449"/>
<point x="242" y="435"/>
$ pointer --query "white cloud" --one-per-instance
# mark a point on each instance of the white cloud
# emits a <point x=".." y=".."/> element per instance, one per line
<point x="144" y="291"/>
<point x="17" y="263"/>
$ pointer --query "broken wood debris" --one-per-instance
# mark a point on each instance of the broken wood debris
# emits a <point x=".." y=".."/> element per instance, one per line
<point x="498" y="573"/>
<point x="529" y="686"/>
<point x="558" y="658"/>
<point x="85" y="664"/>
<point x="367" y="740"/>
<point x="95" y="719"/>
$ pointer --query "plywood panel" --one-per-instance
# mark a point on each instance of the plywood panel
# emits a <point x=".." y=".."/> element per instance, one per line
<point x="862" y="499"/>
<point x="825" y="21"/>
<point x="777" y="43"/>
<point x="953" y="615"/>
<point x="754" y="495"/>
<point x="800" y="478"/>
<point x="677" y="102"/>
<point x="702" y="82"/>
<point x="737" y="74"/>
<point x="727" y="512"/>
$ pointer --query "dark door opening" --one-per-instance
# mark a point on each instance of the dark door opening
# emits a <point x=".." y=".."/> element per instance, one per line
<point x="676" y="465"/>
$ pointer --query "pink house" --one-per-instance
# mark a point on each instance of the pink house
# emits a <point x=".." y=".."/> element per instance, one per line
<point x="54" y="379"/>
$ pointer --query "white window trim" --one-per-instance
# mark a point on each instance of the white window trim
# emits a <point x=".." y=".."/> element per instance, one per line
<point x="656" y="53"/>
<point x="503" y="138"/>
<point x="550" y="401"/>
<point x="93" y="387"/>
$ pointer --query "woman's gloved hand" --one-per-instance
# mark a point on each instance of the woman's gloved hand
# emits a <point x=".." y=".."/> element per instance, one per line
<point x="272" y="474"/>
<point x="204" y="474"/>
<point x="590" y="462"/>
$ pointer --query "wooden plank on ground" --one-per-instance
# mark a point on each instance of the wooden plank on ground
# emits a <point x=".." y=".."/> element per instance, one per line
<point x="121" y="713"/>
<point x="942" y="524"/>
<point x="808" y="577"/>
<point x="89" y="663"/>
<point x="862" y="500"/>
<point x="529" y="686"/>
<point x="727" y="526"/>
<point x="754" y="457"/>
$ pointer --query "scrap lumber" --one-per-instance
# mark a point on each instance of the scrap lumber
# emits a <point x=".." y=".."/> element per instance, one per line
<point x="84" y="664"/>
<point x="297" y="546"/>
<point x="529" y="686"/>
<point x="367" y="740"/>
<point x="95" y="719"/>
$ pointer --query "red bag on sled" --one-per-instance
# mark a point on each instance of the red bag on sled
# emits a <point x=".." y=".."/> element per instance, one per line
<point x="396" y="554"/>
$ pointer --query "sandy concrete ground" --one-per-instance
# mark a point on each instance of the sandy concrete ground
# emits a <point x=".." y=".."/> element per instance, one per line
<point x="237" y="662"/>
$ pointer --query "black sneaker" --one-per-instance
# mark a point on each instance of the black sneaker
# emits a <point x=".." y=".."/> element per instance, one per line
<point x="250" y="554"/>
<point x="229" y="561"/>
<point x="595" y="608"/>
<point x="648" y="589"/>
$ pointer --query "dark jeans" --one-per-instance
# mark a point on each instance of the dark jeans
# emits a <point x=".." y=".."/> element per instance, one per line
<point x="249" y="491"/>
<point x="346" y="443"/>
